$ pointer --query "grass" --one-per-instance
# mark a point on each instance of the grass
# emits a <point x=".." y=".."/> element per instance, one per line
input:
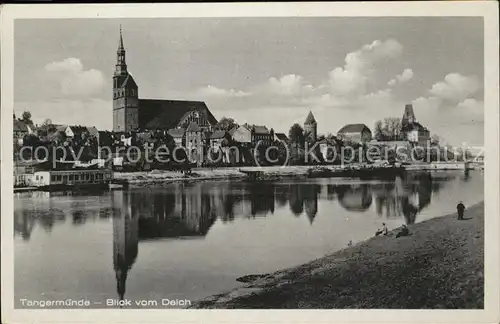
<point x="440" y="265"/>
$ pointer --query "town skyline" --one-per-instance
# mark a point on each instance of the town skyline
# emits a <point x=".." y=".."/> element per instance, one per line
<point x="361" y="79"/>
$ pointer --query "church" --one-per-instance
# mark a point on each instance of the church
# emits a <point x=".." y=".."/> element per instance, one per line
<point x="130" y="113"/>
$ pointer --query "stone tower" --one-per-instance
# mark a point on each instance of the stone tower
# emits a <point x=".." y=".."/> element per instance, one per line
<point x="311" y="127"/>
<point x="125" y="95"/>
<point x="408" y="115"/>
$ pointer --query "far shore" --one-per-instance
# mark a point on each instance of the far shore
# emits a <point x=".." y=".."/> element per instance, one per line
<point x="163" y="177"/>
<point x="440" y="265"/>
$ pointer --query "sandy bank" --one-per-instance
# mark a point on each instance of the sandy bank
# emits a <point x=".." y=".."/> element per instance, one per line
<point x="439" y="266"/>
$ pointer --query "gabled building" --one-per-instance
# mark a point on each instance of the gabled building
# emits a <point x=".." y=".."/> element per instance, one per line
<point x="355" y="133"/>
<point x="21" y="129"/>
<point x="241" y="134"/>
<point x="261" y="134"/>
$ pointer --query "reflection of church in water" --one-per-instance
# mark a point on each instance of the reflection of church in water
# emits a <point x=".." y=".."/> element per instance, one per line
<point x="144" y="215"/>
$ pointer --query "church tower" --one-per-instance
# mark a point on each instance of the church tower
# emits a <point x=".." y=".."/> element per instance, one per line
<point x="311" y="127"/>
<point x="125" y="95"/>
<point x="408" y="115"/>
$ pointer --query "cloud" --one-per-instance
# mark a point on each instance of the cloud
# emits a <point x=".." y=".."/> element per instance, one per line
<point x="360" y="65"/>
<point x="402" y="78"/>
<point x="212" y="91"/>
<point x="289" y="84"/>
<point x="74" y="80"/>
<point x="455" y="87"/>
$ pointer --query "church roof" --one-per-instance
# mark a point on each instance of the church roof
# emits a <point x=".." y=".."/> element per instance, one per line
<point x="310" y="119"/>
<point x="166" y="114"/>
<point x="353" y="128"/>
<point x="128" y="81"/>
<point x="193" y="127"/>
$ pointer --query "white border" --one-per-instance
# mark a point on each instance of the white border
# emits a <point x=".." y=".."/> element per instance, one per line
<point x="488" y="10"/>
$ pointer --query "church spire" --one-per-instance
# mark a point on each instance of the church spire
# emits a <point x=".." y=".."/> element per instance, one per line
<point x="120" y="45"/>
<point x="121" y="65"/>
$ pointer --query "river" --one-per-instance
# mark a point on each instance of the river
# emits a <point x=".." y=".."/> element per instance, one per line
<point x="188" y="241"/>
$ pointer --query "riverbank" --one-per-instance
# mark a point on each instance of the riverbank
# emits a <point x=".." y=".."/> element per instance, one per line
<point x="440" y="265"/>
<point x="161" y="177"/>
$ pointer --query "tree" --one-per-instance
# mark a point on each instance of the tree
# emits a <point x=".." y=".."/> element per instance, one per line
<point x="225" y="124"/>
<point x="296" y="134"/>
<point x="47" y="122"/>
<point x="378" y="132"/>
<point x="435" y="140"/>
<point x="392" y="128"/>
<point x="27" y="117"/>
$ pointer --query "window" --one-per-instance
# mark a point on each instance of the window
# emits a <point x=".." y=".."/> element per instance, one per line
<point x="77" y="177"/>
<point x="53" y="178"/>
<point x="36" y="177"/>
<point x="92" y="177"/>
<point x="70" y="177"/>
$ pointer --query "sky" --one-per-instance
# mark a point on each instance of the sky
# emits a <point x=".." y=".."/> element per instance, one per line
<point x="269" y="71"/>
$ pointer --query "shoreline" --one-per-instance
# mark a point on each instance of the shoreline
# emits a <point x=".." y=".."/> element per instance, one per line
<point x="440" y="263"/>
<point x="163" y="177"/>
<point x="159" y="178"/>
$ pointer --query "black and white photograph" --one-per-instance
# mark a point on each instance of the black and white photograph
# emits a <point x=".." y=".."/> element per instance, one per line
<point x="203" y="160"/>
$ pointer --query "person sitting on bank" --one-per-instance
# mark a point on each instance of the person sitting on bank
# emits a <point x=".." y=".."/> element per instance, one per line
<point x="403" y="232"/>
<point x="382" y="231"/>
<point x="460" y="210"/>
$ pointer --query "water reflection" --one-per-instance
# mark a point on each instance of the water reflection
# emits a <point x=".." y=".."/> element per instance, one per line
<point x="189" y="210"/>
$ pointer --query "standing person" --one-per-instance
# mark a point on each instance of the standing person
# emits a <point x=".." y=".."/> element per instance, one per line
<point x="460" y="210"/>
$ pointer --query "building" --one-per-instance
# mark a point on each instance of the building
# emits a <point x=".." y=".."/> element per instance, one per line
<point x="130" y="113"/>
<point x="355" y="133"/>
<point x="241" y="134"/>
<point x="178" y="135"/>
<point x="78" y="131"/>
<point x="261" y="134"/>
<point x="311" y="127"/>
<point x="281" y="137"/>
<point x="21" y="129"/>
<point x="380" y="150"/>
<point x="412" y="130"/>
<point x="217" y="139"/>
<point x="329" y="148"/>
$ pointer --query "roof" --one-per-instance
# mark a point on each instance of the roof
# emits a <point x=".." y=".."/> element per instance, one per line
<point x="128" y="81"/>
<point x="79" y="129"/>
<point x="413" y="126"/>
<point x="232" y="130"/>
<point x="20" y="126"/>
<point x="218" y="134"/>
<point x="281" y="137"/>
<point x="176" y="132"/>
<point x="193" y="127"/>
<point x="260" y="129"/>
<point x="353" y="128"/>
<point x="310" y="119"/>
<point x="92" y="131"/>
<point x="166" y="114"/>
